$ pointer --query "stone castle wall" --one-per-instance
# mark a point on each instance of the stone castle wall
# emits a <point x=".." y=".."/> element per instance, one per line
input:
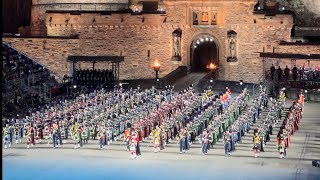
<point x="133" y="36"/>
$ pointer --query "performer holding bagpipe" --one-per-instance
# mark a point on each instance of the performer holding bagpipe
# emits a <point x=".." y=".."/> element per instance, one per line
<point x="204" y="140"/>
<point x="135" y="138"/>
<point x="85" y="133"/>
<point x="75" y="135"/>
<point x="5" y="134"/>
<point x="28" y="135"/>
<point x="93" y="131"/>
<point x="282" y="96"/>
<point x="127" y="136"/>
<point x="101" y="137"/>
<point x="18" y="133"/>
<point x="37" y="134"/>
<point x="10" y="133"/>
<point x="109" y="136"/>
<point x="188" y="137"/>
<point x="81" y="132"/>
<point x="63" y="132"/>
<point x="162" y="143"/>
<point x="256" y="140"/>
<point x="156" y="139"/>
<point x="41" y="127"/>
<point x="32" y="135"/>
<point x="47" y="131"/>
<point x="137" y="128"/>
<point x="281" y="147"/>
<point x="141" y="130"/>
<point x="182" y="140"/>
<point x="301" y="102"/>
<point x="132" y="147"/>
<point x="55" y="135"/>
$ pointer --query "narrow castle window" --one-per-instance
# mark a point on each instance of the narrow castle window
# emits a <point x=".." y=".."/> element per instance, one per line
<point x="213" y="18"/>
<point x="195" y="18"/>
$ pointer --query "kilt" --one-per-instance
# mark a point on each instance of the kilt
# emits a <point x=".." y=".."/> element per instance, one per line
<point x="256" y="146"/>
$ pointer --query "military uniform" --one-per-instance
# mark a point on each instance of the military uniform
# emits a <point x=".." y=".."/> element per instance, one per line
<point x="5" y="134"/>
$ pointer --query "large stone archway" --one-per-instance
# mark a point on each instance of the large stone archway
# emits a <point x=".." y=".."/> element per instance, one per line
<point x="204" y="49"/>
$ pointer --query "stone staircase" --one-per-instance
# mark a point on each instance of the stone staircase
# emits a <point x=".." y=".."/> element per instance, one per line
<point x="246" y="142"/>
<point x="270" y="148"/>
<point x="273" y="137"/>
<point x="186" y="81"/>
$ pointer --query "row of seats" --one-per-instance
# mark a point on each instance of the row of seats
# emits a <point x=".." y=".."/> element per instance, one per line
<point x="23" y="80"/>
<point x="16" y="65"/>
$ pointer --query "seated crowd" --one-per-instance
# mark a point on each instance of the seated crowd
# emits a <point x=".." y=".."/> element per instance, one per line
<point x="21" y="80"/>
<point x="16" y="65"/>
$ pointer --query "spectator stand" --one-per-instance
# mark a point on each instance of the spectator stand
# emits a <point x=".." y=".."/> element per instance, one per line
<point x="55" y="75"/>
<point x="94" y="78"/>
<point x="25" y="83"/>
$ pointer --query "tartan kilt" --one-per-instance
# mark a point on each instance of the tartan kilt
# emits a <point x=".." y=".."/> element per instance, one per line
<point x="256" y="146"/>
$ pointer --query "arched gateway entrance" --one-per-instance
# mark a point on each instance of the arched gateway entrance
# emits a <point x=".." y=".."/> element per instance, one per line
<point x="203" y="51"/>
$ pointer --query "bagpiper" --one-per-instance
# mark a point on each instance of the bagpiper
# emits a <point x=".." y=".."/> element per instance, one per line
<point x="101" y="137"/>
<point x="93" y="131"/>
<point x="256" y="141"/>
<point x="63" y="132"/>
<point x="28" y="135"/>
<point x="281" y="147"/>
<point x="55" y="135"/>
<point x="75" y="135"/>
<point x="188" y="138"/>
<point x="182" y="141"/>
<point x="127" y="137"/>
<point x="5" y="134"/>
<point x="18" y="133"/>
<point x="156" y="139"/>
<point x="85" y="133"/>
<point x="132" y="148"/>
<point x="47" y="132"/>
<point x="204" y="139"/>
<point x="37" y="135"/>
